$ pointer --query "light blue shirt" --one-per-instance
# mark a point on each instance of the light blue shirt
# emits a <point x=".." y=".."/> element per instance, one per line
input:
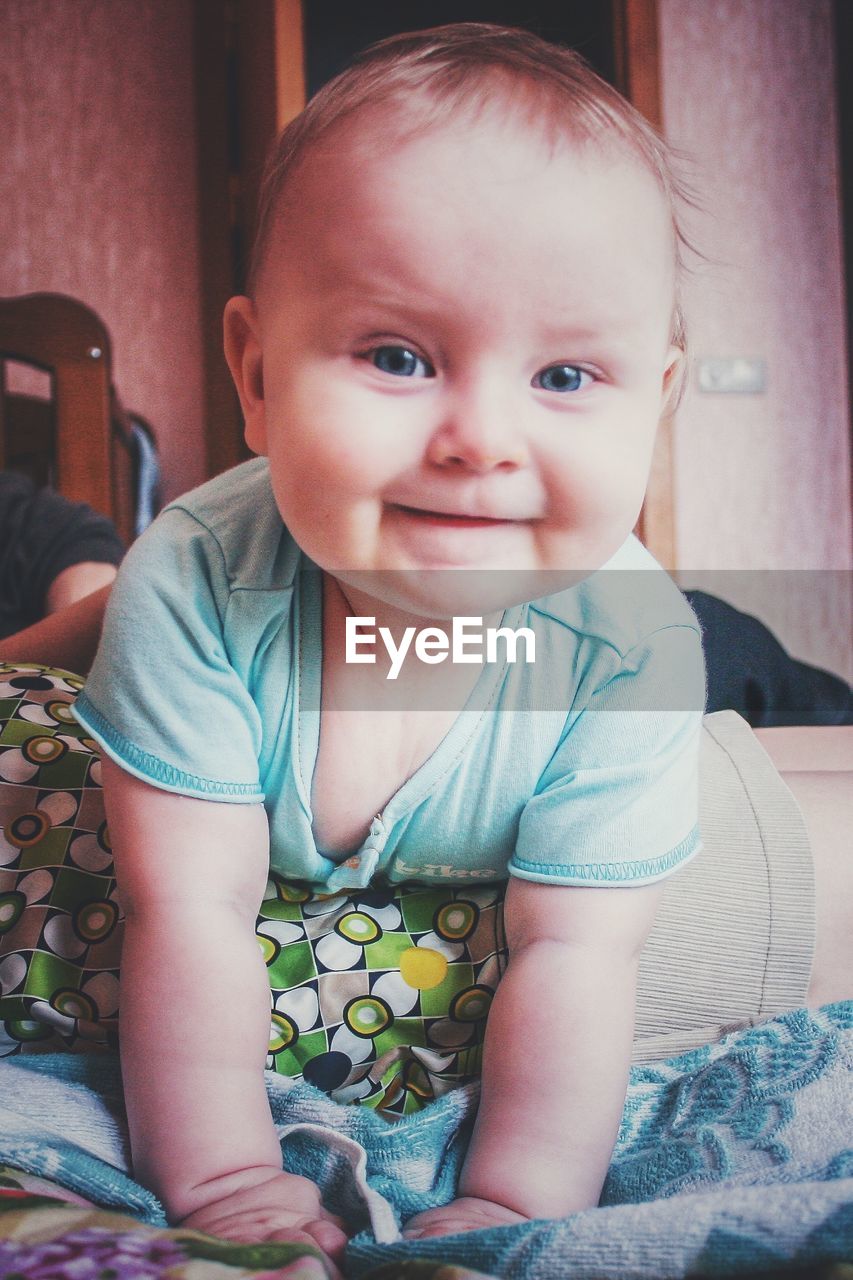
<point x="578" y="769"/>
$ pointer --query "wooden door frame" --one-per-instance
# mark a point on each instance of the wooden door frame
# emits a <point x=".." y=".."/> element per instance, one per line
<point x="636" y="42"/>
<point x="214" y="54"/>
<point x="249" y="82"/>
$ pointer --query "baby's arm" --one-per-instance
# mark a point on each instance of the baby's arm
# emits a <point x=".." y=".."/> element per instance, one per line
<point x="557" y="1055"/>
<point x="195" y="1016"/>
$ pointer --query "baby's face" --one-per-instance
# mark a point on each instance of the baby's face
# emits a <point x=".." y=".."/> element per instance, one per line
<point x="463" y="344"/>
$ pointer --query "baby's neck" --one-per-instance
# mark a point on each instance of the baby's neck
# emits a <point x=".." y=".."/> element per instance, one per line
<point x="360" y="603"/>
<point x="417" y="685"/>
<point x="375" y="733"/>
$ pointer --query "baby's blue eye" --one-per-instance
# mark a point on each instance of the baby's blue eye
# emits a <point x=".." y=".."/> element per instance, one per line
<point x="561" y="377"/>
<point x="400" y="361"/>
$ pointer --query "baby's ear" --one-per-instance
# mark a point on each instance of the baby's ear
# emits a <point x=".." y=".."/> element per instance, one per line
<point x="674" y="380"/>
<point x="245" y="360"/>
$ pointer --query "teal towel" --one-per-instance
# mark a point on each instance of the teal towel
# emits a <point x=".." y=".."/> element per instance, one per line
<point x="731" y="1158"/>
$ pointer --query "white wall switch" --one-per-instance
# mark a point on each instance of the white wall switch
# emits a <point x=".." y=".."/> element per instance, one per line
<point x="737" y="374"/>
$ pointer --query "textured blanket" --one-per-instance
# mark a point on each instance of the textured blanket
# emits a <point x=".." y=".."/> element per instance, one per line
<point x="733" y="1159"/>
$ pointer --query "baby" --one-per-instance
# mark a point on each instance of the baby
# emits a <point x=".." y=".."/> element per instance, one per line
<point x="462" y="331"/>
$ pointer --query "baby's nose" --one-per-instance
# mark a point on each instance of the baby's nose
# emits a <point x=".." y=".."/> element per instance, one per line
<point x="480" y="431"/>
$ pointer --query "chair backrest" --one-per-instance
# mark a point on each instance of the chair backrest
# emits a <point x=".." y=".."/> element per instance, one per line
<point x="80" y="440"/>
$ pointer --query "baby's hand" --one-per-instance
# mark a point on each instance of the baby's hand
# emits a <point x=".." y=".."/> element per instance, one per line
<point x="284" y="1208"/>
<point x="467" y="1213"/>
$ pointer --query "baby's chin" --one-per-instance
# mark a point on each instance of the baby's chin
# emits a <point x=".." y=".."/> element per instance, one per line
<point x="437" y="582"/>
<point x="444" y="593"/>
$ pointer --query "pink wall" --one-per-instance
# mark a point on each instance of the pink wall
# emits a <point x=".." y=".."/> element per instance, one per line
<point x="97" y="175"/>
<point x="763" y="481"/>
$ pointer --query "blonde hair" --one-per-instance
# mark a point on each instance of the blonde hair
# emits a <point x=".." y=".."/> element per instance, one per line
<point x="429" y="76"/>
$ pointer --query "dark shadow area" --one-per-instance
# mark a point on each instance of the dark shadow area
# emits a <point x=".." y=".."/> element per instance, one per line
<point x="334" y="33"/>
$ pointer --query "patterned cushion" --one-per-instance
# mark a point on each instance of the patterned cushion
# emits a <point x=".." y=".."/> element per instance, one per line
<point x="378" y="997"/>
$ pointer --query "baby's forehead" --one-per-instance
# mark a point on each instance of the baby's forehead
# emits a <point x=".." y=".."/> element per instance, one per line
<point x="429" y="80"/>
<point x="474" y="207"/>
<point x="341" y="166"/>
<point x="542" y="126"/>
<point x="473" y="216"/>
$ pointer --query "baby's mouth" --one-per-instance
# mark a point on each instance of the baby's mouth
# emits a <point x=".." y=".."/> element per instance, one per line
<point x="451" y="519"/>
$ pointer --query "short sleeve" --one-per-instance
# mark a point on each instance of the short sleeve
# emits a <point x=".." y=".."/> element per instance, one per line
<point x="618" y="801"/>
<point x="163" y="699"/>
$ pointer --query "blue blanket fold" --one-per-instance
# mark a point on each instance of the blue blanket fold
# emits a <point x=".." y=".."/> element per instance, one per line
<point x="734" y="1157"/>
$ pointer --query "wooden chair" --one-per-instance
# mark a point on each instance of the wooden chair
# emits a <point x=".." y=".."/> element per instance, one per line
<point x="79" y="440"/>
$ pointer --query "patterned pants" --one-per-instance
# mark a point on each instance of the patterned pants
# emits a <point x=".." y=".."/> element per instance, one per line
<point x="378" y="997"/>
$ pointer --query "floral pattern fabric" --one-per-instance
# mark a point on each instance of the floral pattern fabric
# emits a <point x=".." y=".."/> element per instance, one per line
<point x="381" y="997"/>
<point x="378" y="997"/>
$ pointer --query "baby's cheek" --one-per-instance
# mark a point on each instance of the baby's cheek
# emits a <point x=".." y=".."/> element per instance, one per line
<point x="350" y="447"/>
<point x="590" y="513"/>
<point x="579" y="493"/>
